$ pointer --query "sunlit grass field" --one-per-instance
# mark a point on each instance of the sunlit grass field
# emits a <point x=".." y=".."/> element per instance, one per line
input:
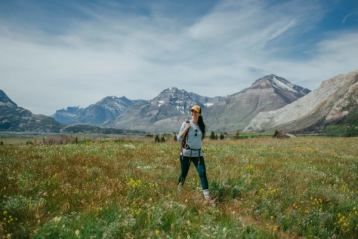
<point x="305" y="187"/>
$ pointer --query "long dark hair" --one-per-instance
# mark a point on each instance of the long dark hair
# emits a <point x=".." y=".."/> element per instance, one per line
<point x="201" y="126"/>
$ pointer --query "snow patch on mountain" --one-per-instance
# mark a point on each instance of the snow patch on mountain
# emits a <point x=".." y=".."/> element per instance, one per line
<point x="160" y="103"/>
<point x="209" y="104"/>
<point x="286" y="86"/>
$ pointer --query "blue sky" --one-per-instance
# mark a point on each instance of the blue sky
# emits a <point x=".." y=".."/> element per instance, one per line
<point x="60" y="53"/>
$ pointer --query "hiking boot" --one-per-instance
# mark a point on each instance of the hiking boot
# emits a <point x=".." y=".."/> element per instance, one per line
<point x="179" y="187"/>
<point x="206" y="194"/>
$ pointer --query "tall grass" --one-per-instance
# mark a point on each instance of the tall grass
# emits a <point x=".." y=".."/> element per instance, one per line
<point x="264" y="188"/>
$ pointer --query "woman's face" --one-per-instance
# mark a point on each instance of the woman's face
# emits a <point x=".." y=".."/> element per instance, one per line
<point x="194" y="116"/>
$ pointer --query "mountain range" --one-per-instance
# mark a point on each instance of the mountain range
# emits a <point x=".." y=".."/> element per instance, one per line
<point x="99" y="113"/>
<point x="271" y="102"/>
<point x="166" y="111"/>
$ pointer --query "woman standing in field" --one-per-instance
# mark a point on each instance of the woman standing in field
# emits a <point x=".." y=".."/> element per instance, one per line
<point x="191" y="135"/>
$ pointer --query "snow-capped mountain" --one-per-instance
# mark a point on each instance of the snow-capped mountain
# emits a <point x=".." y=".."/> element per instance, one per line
<point x="288" y="91"/>
<point x="164" y="112"/>
<point x="331" y="102"/>
<point x="267" y="93"/>
<point x="182" y="100"/>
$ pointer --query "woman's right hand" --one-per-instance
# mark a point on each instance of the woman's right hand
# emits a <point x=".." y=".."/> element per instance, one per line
<point x="185" y="129"/>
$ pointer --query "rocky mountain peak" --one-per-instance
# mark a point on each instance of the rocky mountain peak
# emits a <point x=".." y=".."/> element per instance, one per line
<point x="72" y="109"/>
<point x="4" y="99"/>
<point x="115" y="100"/>
<point x="272" y="81"/>
<point x="281" y="86"/>
<point x="173" y="96"/>
<point x="172" y="91"/>
<point x="14" y="118"/>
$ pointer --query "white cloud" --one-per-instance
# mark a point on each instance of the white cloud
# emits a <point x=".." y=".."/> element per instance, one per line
<point x="334" y="55"/>
<point x="113" y="53"/>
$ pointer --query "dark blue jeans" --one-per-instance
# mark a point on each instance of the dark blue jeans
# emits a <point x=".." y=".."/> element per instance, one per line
<point x="200" y="167"/>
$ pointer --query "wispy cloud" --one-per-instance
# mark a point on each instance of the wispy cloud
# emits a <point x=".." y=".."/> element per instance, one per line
<point x="113" y="52"/>
<point x="351" y="15"/>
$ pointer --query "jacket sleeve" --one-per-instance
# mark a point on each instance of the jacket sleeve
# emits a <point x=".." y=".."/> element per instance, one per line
<point x="180" y="131"/>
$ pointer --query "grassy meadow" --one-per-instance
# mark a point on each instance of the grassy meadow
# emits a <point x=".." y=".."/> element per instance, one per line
<point x="304" y="187"/>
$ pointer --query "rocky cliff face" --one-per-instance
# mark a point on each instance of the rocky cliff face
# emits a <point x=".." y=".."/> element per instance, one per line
<point x="331" y="102"/>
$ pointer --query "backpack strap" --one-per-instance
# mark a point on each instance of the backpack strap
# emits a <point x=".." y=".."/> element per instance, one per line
<point x="184" y="142"/>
